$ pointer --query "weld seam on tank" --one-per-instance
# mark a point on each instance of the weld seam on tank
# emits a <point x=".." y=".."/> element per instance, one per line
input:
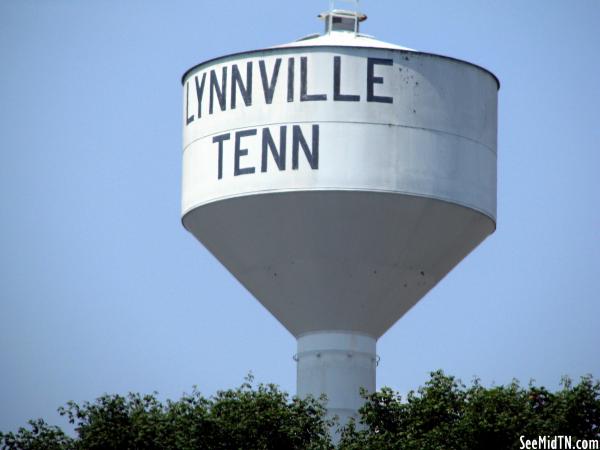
<point x="376" y="359"/>
<point x="349" y="353"/>
<point x="353" y="122"/>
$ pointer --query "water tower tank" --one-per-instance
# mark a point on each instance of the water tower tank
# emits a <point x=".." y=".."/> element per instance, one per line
<point x="339" y="178"/>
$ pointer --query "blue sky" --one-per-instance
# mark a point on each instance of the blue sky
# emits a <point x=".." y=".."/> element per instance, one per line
<point x="101" y="288"/>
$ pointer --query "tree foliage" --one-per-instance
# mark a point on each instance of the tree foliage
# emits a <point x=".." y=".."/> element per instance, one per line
<point x="446" y="414"/>
<point x="40" y="436"/>
<point x="261" y="417"/>
<point x="443" y="413"/>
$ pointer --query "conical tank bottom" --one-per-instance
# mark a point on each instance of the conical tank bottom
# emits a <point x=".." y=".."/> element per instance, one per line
<point x="338" y="260"/>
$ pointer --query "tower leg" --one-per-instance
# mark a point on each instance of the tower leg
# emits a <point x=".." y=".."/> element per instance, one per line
<point x="337" y="364"/>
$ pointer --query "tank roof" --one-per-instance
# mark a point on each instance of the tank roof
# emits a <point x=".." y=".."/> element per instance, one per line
<point x="342" y="29"/>
<point x="342" y="39"/>
<point x="338" y="35"/>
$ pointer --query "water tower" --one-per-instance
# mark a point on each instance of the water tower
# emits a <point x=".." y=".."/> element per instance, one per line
<point x="339" y="178"/>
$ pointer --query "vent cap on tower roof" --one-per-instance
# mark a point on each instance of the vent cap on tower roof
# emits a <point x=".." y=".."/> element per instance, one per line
<point x="342" y="20"/>
<point x="342" y="28"/>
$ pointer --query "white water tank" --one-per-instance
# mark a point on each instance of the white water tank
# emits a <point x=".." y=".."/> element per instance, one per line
<point x="339" y="178"/>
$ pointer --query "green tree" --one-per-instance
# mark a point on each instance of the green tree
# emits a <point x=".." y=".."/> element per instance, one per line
<point x="446" y="414"/>
<point x="442" y="414"/>
<point x="41" y="436"/>
<point x="261" y="417"/>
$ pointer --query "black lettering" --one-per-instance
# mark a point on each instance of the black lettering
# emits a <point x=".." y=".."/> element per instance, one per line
<point x="200" y="92"/>
<point x="188" y="119"/>
<point x="220" y="139"/>
<point x="298" y="141"/>
<point x="269" y="144"/>
<point x="372" y="80"/>
<point x="290" y="90"/>
<point x="219" y="90"/>
<point x="239" y="152"/>
<point x="245" y="88"/>
<point x="304" y="96"/>
<point x="269" y="86"/>
<point x="337" y="77"/>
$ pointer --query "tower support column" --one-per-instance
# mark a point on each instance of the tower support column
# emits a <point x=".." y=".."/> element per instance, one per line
<point x="337" y="364"/>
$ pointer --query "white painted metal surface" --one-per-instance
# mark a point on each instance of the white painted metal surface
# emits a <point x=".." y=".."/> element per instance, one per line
<point x="340" y="364"/>
<point x="339" y="179"/>
<point x="437" y="114"/>
<point x="343" y="40"/>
